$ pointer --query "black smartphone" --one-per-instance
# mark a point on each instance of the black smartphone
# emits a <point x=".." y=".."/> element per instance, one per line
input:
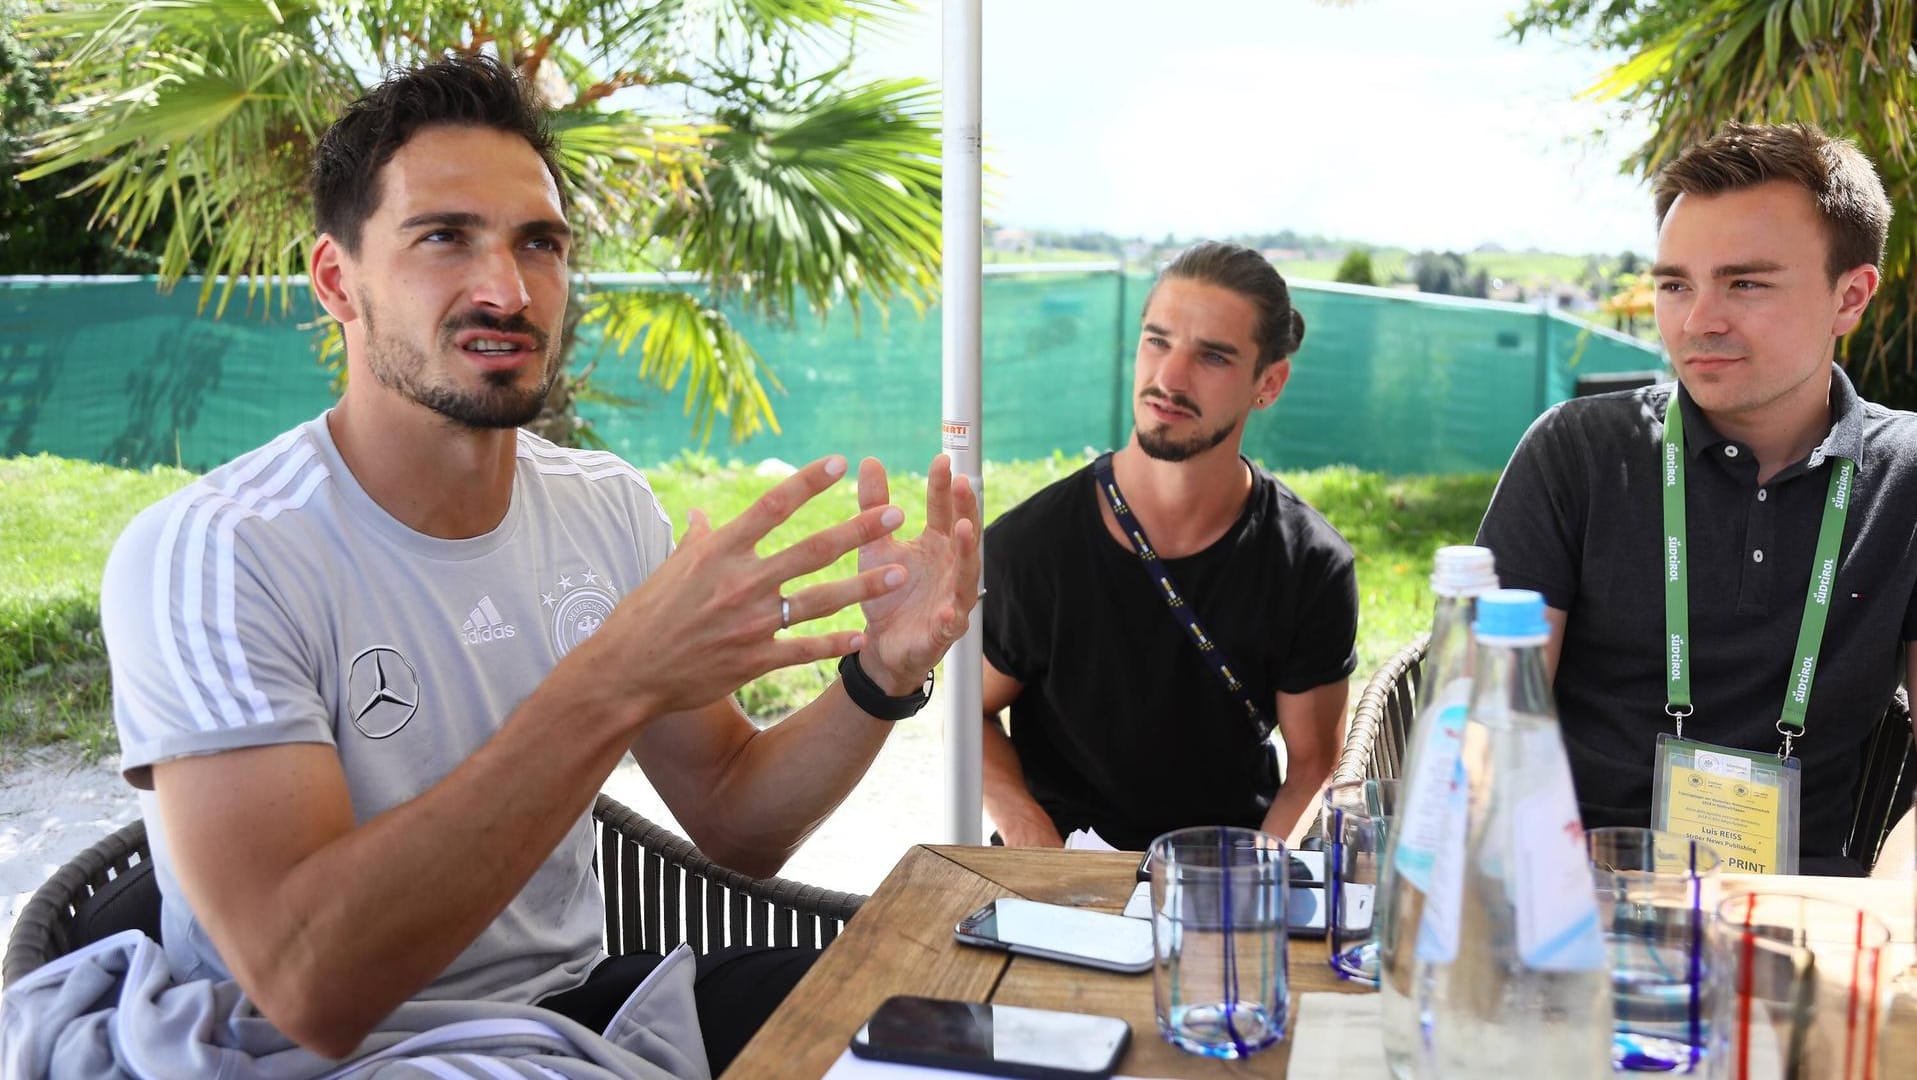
<point x="1000" y="1040"/>
<point x="1303" y="866"/>
<point x="1304" y="908"/>
<point x="1305" y="898"/>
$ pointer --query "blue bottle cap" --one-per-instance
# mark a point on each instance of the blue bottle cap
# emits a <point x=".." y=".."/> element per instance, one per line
<point x="1511" y="613"/>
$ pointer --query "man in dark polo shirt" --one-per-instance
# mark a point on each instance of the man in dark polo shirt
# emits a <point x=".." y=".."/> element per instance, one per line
<point x="1769" y="242"/>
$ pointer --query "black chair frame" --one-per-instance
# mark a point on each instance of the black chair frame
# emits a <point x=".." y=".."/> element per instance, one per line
<point x="659" y="889"/>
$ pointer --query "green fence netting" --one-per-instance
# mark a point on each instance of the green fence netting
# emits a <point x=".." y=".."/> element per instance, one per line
<point x="112" y="370"/>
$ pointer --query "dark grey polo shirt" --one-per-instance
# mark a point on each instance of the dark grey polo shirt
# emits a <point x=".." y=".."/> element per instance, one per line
<point x="1578" y="516"/>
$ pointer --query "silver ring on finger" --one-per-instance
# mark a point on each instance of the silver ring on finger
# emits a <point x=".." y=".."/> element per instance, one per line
<point x="785" y="612"/>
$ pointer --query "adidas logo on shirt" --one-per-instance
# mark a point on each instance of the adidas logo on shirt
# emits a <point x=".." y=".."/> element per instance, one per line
<point x="486" y="624"/>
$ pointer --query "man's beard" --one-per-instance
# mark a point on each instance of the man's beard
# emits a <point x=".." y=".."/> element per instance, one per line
<point x="1157" y="444"/>
<point x="401" y="366"/>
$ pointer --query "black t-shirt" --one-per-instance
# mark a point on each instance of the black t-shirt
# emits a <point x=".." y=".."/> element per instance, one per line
<point x="1122" y="726"/>
<point x="1578" y="516"/>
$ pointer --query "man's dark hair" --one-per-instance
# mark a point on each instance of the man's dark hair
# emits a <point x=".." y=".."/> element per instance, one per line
<point x="1280" y="329"/>
<point x="1850" y="198"/>
<point x="476" y="91"/>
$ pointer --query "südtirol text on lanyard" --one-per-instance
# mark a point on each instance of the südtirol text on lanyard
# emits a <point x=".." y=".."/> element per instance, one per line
<point x="1743" y="803"/>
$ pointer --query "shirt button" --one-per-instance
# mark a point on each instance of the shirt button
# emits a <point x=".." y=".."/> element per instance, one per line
<point x="1762" y="494"/>
<point x="1757" y="556"/>
<point x="1730" y="451"/>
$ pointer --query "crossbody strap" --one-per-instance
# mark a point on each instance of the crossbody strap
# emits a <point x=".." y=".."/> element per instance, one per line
<point x="1181" y="612"/>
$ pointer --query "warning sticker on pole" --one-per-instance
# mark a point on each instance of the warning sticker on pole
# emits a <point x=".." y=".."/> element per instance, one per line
<point x="956" y="435"/>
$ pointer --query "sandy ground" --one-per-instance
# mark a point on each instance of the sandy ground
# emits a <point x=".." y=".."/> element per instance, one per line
<point x="52" y="806"/>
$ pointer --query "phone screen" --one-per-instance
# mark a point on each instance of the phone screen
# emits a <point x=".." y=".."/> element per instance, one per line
<point x="1305" y="907"/>
<point x="1094" y="935"/>
<point x="962" y="1033"/>
<point x="1303" y="866"/>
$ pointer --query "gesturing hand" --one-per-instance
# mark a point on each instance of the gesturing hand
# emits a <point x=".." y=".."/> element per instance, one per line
<point x="908" y="629"/>
<point x="707" y="621"/>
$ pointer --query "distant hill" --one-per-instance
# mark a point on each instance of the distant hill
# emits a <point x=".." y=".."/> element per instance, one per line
<point x="1576" y="283"/>
<point x="1307" y="257"/>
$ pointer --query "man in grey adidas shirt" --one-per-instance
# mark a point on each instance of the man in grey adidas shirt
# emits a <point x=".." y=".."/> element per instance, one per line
<point x="371" y="675"/>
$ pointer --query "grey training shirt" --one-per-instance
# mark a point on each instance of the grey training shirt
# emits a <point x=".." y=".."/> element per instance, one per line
<point x="273" y="601"/>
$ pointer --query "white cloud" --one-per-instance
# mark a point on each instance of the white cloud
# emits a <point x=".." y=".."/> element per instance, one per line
<point x="1389" y="121"/>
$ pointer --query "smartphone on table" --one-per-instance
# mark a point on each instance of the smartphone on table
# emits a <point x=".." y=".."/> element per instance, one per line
<point x="1056" y="932"/>
<point x="1303" y="866"/>
<point x="999" y="1040"/>
<point x="1304" y="899"/>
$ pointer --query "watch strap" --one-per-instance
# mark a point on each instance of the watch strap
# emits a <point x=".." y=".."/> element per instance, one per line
<point x="873" y="699"/>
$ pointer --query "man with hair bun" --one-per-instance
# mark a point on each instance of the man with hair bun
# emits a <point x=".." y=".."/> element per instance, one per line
<point x="1146" y="660"/>
<point x="1727" y="558"/>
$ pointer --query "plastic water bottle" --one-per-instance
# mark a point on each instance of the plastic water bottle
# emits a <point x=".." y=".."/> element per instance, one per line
<point x="1430" y="796"/>
<point x="1526" y="991"/>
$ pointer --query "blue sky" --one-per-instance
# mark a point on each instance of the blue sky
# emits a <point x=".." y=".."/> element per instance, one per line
<point x="1389" y="121"/>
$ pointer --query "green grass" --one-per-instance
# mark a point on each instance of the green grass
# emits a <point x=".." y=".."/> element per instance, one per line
<point x="58" y="520"/>
<point x="1387" y="264"/>
<point x="1394" y="524"/>
<point x="1531" y="267"/>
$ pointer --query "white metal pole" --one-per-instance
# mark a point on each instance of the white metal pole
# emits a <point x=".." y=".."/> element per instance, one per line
<point x="959" y="408"/>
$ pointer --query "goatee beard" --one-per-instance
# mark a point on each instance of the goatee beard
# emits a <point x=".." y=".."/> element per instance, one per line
<point x="399" y="366"/>
<point x="1160" y="446"/>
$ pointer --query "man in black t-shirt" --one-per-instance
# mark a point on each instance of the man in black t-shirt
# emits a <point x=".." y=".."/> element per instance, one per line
<point x="1769" y="241"/>
<point x="1120" y="721"/>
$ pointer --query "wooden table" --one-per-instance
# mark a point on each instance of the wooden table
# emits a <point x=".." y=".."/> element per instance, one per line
<point x="901" y="943"/>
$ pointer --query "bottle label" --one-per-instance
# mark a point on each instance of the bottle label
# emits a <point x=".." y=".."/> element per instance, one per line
<point x="1443" y="901"/>
<point x="1428" y="795"/>
<point x="1556" y="904"/>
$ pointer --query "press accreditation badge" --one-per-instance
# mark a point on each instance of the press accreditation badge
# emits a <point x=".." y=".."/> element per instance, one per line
<point x="1743" y="803"/>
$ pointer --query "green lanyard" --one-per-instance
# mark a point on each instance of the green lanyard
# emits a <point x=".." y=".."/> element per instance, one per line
<point x="1677" y="601"/>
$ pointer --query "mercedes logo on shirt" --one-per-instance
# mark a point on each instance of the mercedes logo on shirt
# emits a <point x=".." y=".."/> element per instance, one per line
<point x="382" y="691"/>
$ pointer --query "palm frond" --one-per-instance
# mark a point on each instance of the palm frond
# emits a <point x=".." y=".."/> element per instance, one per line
<point x="830" y="201"/>
<point x="196" y="119"/>
<point x="208" y="128"/>
<point x="681" y="337"/>
<point x="777" y="18"/>
<point x="624" y="167"/>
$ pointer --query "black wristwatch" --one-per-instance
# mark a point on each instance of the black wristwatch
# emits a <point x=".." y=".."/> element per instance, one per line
<point x="868" y="695"/>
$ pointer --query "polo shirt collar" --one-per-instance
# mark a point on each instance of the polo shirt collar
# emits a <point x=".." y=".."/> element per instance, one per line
<point x="1699" y="435"/>
<point x="1845" y="440"/>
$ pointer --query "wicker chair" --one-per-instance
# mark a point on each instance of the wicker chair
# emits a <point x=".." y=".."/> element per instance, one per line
<point x="1374" y="747"/>
<point x="1374" y="740"/>
<point x="1890" y="773"/>
<point x="660" y="891"/>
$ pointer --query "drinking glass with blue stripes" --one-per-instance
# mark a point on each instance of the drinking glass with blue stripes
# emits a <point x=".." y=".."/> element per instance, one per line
<point x="1650" y="890"/>
<point x="1357" y="821"/>
<point x="1219" y="978"/>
